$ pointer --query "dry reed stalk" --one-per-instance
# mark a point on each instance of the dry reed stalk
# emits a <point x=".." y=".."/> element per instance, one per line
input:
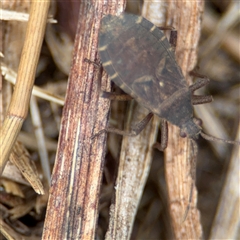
<point x="19" y="105"/>
<point x="185" y="16"/>
<point x="10" y="75"/>
<point x="226" y="222"/>
<point x="72" y="211"/>
<point x="136" y="152"/>
<point x="134" y="165"/>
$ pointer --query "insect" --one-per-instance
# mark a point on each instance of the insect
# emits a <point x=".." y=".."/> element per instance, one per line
<point x="139" y="59"/>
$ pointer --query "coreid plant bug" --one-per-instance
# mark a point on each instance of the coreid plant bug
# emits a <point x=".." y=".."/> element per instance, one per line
<point x="141" y="61"/>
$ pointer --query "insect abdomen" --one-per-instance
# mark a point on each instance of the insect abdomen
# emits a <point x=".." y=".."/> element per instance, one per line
<point x="139" y="59"/>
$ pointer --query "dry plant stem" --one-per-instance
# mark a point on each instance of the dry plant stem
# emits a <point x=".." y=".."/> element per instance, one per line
<point x="21" y="159"/>
<point x="12" y="172"/>
<point x="226" y="222"/>
<point x="9" y="15"/>
<point x="26" y="74"/>
<point x="72" y="210"/>
<point x="8" y="232"/>
<point x="185" y="17"/>
<point x="39" y="134"/>
<point x="221" y="29"/>
<point x="230" y="42"/>
<point x="134" y="165"/>
<point x="10" y="75"/>
<point x="30" y="143"/>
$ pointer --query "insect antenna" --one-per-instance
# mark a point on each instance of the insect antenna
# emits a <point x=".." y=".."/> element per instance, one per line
<point x="194" y="160"/>
<point x="216" y="139"/>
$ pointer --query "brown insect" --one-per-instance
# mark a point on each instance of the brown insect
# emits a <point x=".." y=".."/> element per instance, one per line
<point x="139" y="59"/>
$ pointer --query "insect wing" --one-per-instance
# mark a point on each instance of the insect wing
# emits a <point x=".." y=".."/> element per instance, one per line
<point x="139" y="59"/>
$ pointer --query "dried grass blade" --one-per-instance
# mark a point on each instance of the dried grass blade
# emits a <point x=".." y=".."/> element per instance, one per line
<point x="26" y="74"/>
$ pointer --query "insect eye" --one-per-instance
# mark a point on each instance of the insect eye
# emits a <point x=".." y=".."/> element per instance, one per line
<point x="183" y="134"/>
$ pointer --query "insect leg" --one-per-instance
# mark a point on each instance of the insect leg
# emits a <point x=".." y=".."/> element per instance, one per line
<point x="116" y="96"/>
<point x="172" y="31"/>
<point x="173" y="36"/>
<point x="134" y="131"/>
<point x="104" y="94"/>
<point x="164" y="136"/>
<point x="173" y="39"/>
<point x="198" y="75"/>
<point x="170" y="28"/>
<point x="198" y="84"/>
<point x="201" y="99"/>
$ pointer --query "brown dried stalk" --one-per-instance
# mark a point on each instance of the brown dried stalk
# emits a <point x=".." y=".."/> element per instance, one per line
<point x="134" y="165"/>
<point x="73" y="203"/>
<point x="226" y="222"/>
<point x="21" y="159"/>
<point x="18" y="108"/>
<point x="136" y="152"/>
<point x="185" y="17"/>
<point x="10" y="75"/>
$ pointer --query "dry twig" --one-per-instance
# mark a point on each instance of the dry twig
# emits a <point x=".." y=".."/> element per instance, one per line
<point x="77" y="174"/>
<point x="226" y="222"/>
<point x="185" y="17"/>
<point x="18" y="108"/>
